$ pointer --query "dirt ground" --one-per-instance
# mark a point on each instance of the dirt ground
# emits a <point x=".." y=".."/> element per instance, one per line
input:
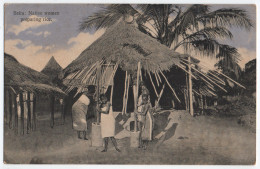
<point x="179" y="139"/>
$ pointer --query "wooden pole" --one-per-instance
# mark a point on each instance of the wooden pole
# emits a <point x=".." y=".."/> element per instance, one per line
<point x="185" y="99"/>
<point x="202" y="105"/>
<point x="111" y="93"/>
<point x="62" y="112"/>
<point x="170" y="86"/>
<point x="29" y="112"/>
<point x="124" y="96"/>
<point x="34" y="112"/>
<point x="22" y="112"/>
<point x="52" y="110"/>
<point x="159" y="97"/>
<point x="127" y="92"/>
<point x="97" y="94"/>
<point x="153" y="85"/>
<point x="206" y="105"/>
<point x="231" y="79"/>
<point x="135" y="88"/>
<point x="187" y="93"/>
<point x="10" y="109"/>
<point x="190" y="89"/>
<point x="15" y="115"/>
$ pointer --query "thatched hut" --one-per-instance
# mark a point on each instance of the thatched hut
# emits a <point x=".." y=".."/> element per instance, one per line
<point x="52" y="69"/>
<point x="22" y="86"/>
<point x="122" y="46"/>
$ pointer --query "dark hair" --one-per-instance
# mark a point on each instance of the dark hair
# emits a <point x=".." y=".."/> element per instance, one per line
<point x="102" y="95"/>
<point x="141" y="83"/>
<point x="144" y="95"/>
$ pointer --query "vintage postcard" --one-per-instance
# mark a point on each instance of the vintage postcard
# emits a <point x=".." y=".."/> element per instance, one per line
<point x="129" y="84"/>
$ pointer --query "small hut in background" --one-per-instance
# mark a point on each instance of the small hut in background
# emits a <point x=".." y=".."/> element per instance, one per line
<point x="22" y="85"/>
<point x="52" y="69"/>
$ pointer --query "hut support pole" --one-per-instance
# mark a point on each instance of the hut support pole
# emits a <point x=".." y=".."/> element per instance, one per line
<point x="15" y="115"/>
<point x="135" y="89"/>
<point x="29" y="112"/>
<point x="52" y="110"/>
<point x="111" y="94"/>
<point x="22" y="112"/>
<point x="190" y="89"/>
<point x="205" y="99"/>
<point x="34" y="112"/>
<point x="184" y="93"/>
<point x="10" y="109"/>
<point x="187" y="93"/>
<point x="98" y="74"/>
<point x="127" y="91"/>
<point x="124" y="96"/>
<point x="202" y="105"/>
<point x="62" y="112"/>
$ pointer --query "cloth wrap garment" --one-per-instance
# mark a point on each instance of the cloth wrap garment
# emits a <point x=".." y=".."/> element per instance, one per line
<point x="79" y="112"/>
<point x="107" y="123"/>
<point x="148" y="123"/>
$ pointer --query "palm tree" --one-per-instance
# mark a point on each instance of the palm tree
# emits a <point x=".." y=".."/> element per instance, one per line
<point x="228" y="62"/>
<point x="194" y="28"/>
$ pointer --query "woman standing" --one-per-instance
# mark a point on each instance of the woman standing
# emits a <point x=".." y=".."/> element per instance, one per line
<point x="79" y="112"/>
<point x="107" y="122"/>
<point x="145" y="121"/>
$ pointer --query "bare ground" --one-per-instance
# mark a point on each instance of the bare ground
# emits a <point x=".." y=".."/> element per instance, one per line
<point x="187" y="140"/>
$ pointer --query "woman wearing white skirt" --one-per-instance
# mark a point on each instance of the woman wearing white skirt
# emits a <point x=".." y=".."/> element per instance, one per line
<point x="107" y="122"/>
<point x="145" y="121"/>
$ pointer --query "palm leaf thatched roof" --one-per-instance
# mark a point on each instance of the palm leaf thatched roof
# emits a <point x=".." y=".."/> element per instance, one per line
<point x="21" y="77"/>
<point x="125" y="45"/>
<point x="52" y="68"/>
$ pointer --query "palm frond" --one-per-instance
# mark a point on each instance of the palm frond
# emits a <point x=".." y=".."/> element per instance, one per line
<point x="227" y="17"/>
<point x="107" y="17"/>
<point x="206" y="33"/>
<point x="205" y="47"/>
<point x="229" y="58"/>
<point x="186" y="20"/>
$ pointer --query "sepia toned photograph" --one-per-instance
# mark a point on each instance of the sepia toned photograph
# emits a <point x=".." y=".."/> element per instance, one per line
<point x="149" y="84"/>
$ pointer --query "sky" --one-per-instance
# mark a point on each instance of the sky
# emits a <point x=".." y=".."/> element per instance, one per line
<point x="32" y="39"/>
